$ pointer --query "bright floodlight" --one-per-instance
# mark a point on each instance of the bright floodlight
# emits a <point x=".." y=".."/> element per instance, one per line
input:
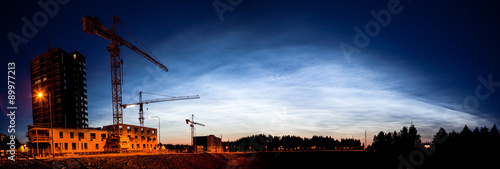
<point x="40" y="94"/>
<point x="128" y="106"/>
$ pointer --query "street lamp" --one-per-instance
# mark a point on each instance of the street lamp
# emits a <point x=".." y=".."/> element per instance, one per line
<point x="40" y="95"/>
<point x="158" y="128"/>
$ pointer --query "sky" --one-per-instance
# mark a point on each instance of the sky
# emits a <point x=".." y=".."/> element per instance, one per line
<point x="276" y="67"/>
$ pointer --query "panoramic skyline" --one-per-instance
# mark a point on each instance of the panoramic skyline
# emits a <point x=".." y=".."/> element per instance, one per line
<point x="280" y="68"/>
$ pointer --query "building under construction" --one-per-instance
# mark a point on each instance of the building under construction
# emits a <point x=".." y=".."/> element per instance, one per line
<point x="62" y="141"/>
<point x="60" y="112"/>
<point x="59" y="89"/>
<point x="208" y="143"/>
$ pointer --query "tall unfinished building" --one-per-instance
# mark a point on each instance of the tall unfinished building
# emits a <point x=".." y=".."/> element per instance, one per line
<point x="59" y="89"/>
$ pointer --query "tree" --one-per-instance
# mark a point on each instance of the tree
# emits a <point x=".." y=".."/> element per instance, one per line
<point x="413" y="134"/>
<point x="485" y="131"/>
<point x="476" y="132"/>
<point x="439" y="135"/>
<point x="466" y="131"/>
<point x="494" y="131"/>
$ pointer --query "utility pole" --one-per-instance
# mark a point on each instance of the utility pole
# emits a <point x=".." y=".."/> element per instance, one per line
<point x="366" y="145"/>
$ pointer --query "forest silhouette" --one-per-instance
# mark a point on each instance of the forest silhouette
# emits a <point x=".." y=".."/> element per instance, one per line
<point x="476" y="148"/>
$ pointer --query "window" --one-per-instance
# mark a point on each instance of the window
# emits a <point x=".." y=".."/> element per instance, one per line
<point x="97" y="146"/>
<point x="147" y="131"/>
<point x="135" y="129"/>
<point x="65" y="146"/>
<point x="81" y="135"/>
<point x="142" y="130"/>
<point x="71" y="135"/>
<point x="103" y="136"/>
<point x="60" y="134"/>
<point x="73" y="146"/>
<point x="85" y="145"/>
<point x="92" y="136"/>
<point x="143" y="145"/>
<point x="128" y="129"/>
<point x="56" y="145"/>
<point x="153" y="132"/>
<point x="132" y="145"/>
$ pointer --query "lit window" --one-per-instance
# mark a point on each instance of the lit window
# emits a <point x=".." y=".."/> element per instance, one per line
<point x="74" y="56"/>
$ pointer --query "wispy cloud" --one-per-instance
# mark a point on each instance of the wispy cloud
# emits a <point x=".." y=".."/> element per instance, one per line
<point x="274" y="89"/>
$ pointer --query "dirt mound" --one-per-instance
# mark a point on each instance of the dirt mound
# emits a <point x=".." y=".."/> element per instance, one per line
<point x="136" y="161"/>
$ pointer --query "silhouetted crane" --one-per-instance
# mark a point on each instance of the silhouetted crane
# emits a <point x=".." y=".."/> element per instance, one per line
<point x="141" y="102"/>
<point x="92" y="25"/>
<point x="192" y="123"/>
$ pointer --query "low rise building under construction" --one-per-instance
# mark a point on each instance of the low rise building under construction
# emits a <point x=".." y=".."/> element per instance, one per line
<point x="61" y="141"/>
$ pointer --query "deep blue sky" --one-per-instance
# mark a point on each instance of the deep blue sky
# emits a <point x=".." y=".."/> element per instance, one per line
<point x="276" y="67"/>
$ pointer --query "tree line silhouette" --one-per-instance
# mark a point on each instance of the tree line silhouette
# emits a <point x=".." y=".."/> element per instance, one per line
<point x="476" y="148"/>
<point x="263" y="142"/>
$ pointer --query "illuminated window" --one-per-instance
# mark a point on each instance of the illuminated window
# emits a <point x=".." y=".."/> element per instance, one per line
<point x="74" y="56"/>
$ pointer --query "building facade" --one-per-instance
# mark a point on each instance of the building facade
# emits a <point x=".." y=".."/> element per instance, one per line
<point x="135" y="137"/>
<point x="59" y="89"/>
<point x="210" y="143"/>
<point x="62" y="141"/>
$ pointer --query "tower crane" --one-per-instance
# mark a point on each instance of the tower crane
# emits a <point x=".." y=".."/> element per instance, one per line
<point x="192" y="123"/>
<point x="141" y="102"/>
<point x="92" y="25"/>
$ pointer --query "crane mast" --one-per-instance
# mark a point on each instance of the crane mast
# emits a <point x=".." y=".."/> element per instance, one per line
<point x="193" y="134"/>
<point x="92" y="25"/>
